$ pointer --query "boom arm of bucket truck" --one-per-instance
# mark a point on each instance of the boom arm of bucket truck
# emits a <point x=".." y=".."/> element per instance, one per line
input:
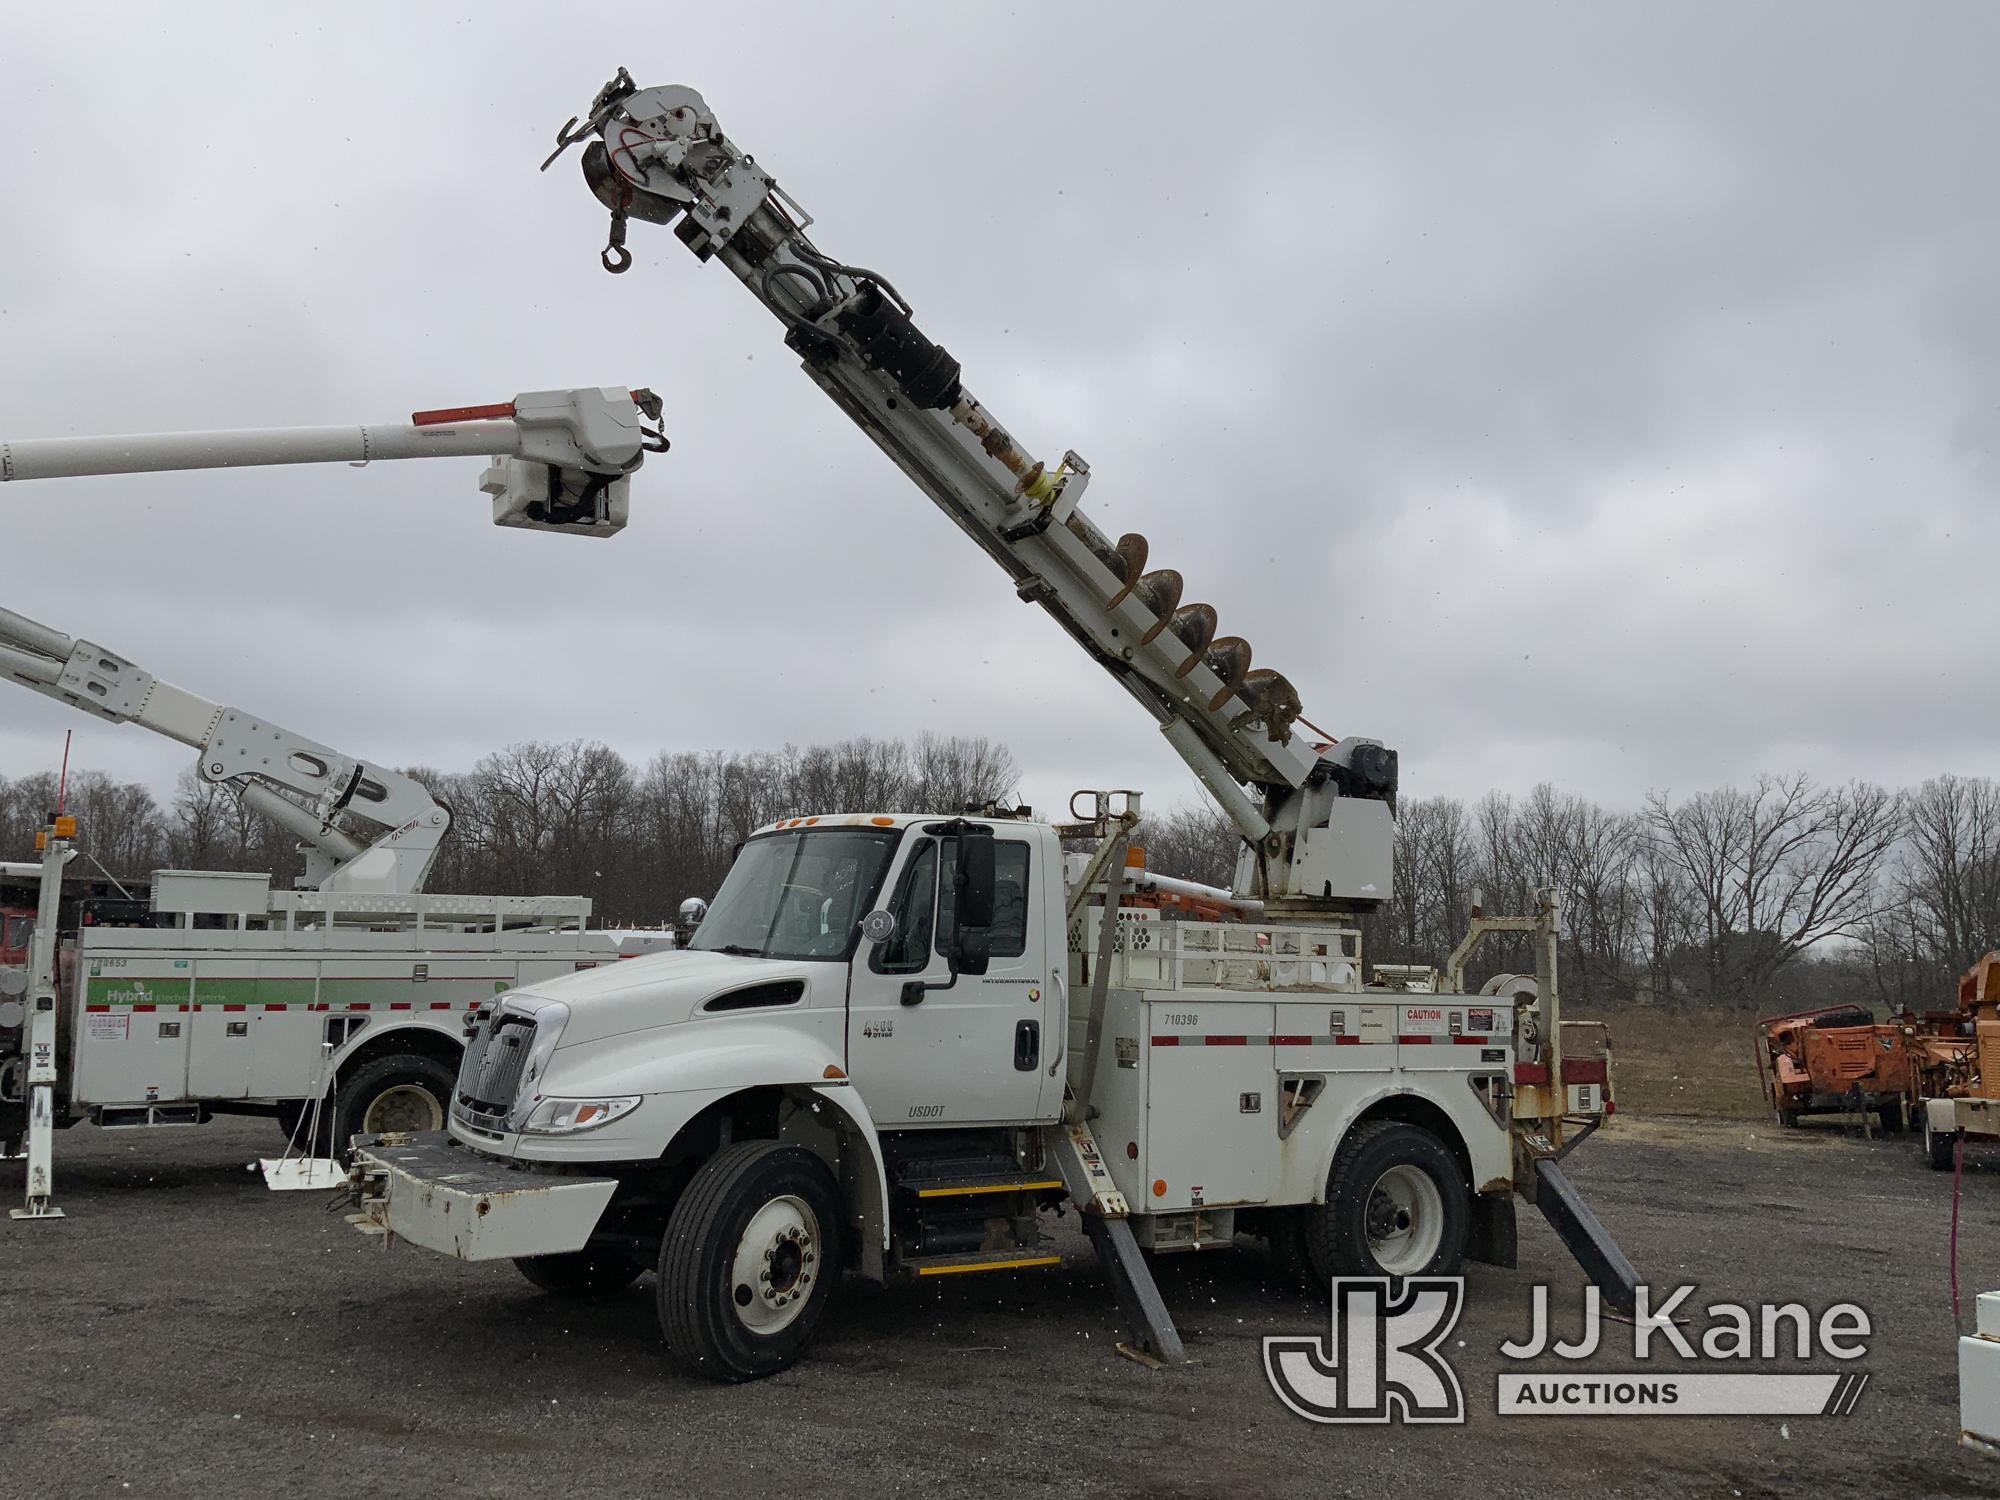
<point x="1317" y="818"/>
<point x="561" y="461"/>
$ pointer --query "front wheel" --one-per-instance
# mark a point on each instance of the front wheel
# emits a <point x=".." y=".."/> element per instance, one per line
<point x="1396" y="1205"/>
<point x="748" y="1261"/>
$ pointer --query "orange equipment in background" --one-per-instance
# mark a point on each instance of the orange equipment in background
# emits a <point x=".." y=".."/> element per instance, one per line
<point x="1979" y="1000"/>
<point x="1835" y="1059"/>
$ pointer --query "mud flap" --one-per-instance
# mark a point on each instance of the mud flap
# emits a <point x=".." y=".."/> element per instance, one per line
<point x="1132" y="1279"/>
<point x="1493" y="1239"/>
<point x="1588" y="1240"/>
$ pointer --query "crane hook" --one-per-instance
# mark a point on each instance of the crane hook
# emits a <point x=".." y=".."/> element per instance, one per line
<point x="617" y="259"/>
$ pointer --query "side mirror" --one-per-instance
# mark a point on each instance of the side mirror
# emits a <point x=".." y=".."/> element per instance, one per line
<point x="972" y="899"/>
<point x="974" y="879"/>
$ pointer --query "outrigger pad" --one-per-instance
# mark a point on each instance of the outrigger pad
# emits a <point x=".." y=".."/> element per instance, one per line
<point x="1132" y="1279"/>
<point x="1588" y="1240"/>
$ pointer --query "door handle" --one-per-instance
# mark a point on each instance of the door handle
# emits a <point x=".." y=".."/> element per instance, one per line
<point x="1027" y="1045"/>
<point x="1060" y="1010"/>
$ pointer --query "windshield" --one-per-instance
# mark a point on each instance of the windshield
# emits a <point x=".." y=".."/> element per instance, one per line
<point x="797" y="895"/>
<point x="15" y="931"/>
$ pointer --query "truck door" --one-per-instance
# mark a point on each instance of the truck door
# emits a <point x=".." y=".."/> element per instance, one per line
<point x="923" y="1050"/>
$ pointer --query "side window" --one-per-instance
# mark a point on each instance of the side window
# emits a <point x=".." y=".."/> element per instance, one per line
<point x="1010" y="898"/>
<point x="908" y="950"/>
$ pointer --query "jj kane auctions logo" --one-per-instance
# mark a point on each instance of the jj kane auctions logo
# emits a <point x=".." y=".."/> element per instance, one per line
<point x="1382" y="1360"/>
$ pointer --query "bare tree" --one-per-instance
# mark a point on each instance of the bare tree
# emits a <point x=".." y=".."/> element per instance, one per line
<point x="1776" y="869"/>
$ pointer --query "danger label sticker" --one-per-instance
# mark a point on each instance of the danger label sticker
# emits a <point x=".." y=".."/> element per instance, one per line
<point x="110" y="1026"/>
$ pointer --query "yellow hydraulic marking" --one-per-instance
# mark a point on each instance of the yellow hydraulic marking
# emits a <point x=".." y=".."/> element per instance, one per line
<point x="991" y="1187"/>
<point x="992" y="1265"/>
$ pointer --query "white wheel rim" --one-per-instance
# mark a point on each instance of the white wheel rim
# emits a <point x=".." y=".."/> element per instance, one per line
<point x="777" y="1263"/>
<point x="1405" y="1220"/>
<point x="406" y="1107"/>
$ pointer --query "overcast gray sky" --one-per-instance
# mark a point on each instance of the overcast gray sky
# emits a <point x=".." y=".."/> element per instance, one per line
<point x="1596" y="393"/>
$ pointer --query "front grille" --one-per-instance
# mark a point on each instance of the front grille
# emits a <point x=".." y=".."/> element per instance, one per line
<point x="494" y="1065"/>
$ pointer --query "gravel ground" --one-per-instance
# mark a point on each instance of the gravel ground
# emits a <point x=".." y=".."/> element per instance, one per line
<point x="184" y="1332"/>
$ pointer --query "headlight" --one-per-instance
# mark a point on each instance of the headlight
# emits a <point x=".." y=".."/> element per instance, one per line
<point x="567" y="1116"/>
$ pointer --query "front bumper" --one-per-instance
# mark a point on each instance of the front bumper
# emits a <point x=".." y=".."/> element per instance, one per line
<point x="432" y="1191"/>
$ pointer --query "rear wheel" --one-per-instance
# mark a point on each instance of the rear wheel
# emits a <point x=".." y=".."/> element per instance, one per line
<point x="1396" y="1205"/>
<point x="405" y="1092"/>
<point x="581" y="1273"/>
<point x="1894" y="1118"/>
<point x="748" y="1261"/>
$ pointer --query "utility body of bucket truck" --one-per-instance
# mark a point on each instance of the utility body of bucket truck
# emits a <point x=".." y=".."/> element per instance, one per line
<point x="898" y="1037"/>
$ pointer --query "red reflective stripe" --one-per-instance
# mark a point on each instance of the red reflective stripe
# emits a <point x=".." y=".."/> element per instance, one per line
<point x="1291" y="1041"/>
<point x="95" y="1008"/>
<point x="1347" y="1041"/>
<point x="1575" y="1070"/>
<point x="357" y="1005"/>
<point x="269" y="1006"/>
<point x="235" y="1007"/>
<point x="441" y="1005"/>
<point x="399" y="1005"/>
<point x="1416" y="1041"/>
<point x="444" y="414"/>
<point x="1166" y="1041"/>
<point x="1473" y="1041"/>
<point x="1225" y="1041"/>
<point x="147" y="1006"/>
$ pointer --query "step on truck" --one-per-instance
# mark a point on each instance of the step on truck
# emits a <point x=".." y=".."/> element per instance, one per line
<point x="898" y="1039"/>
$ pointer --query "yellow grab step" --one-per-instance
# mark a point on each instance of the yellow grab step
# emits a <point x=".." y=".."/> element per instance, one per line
<point x="990" y="1185"/>
<point x="984" y="1260"/>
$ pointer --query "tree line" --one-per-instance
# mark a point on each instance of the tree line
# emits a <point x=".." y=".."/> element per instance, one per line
<point x="540" y="819"/>
<point x="1781" y="893"/>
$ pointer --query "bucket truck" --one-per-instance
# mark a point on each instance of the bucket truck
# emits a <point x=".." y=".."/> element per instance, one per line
<point x="352" y="989"/>
<point x="898" y="1038"/>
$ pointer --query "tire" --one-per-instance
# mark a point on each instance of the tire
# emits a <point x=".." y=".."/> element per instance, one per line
<point x="389" y="1094"/>
<point x="1938" y="1146"/>
<point x="1788" y="1119"/>
<point x="1894" y="1118"/>
<point x="751" y="1209"/>
<point x="581" y="1274"/>
<point x="1397" y="1204"/>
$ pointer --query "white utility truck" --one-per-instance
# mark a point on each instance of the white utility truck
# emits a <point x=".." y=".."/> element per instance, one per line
<point x="235" y="997"/>
<point x="899" y="1037"/>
